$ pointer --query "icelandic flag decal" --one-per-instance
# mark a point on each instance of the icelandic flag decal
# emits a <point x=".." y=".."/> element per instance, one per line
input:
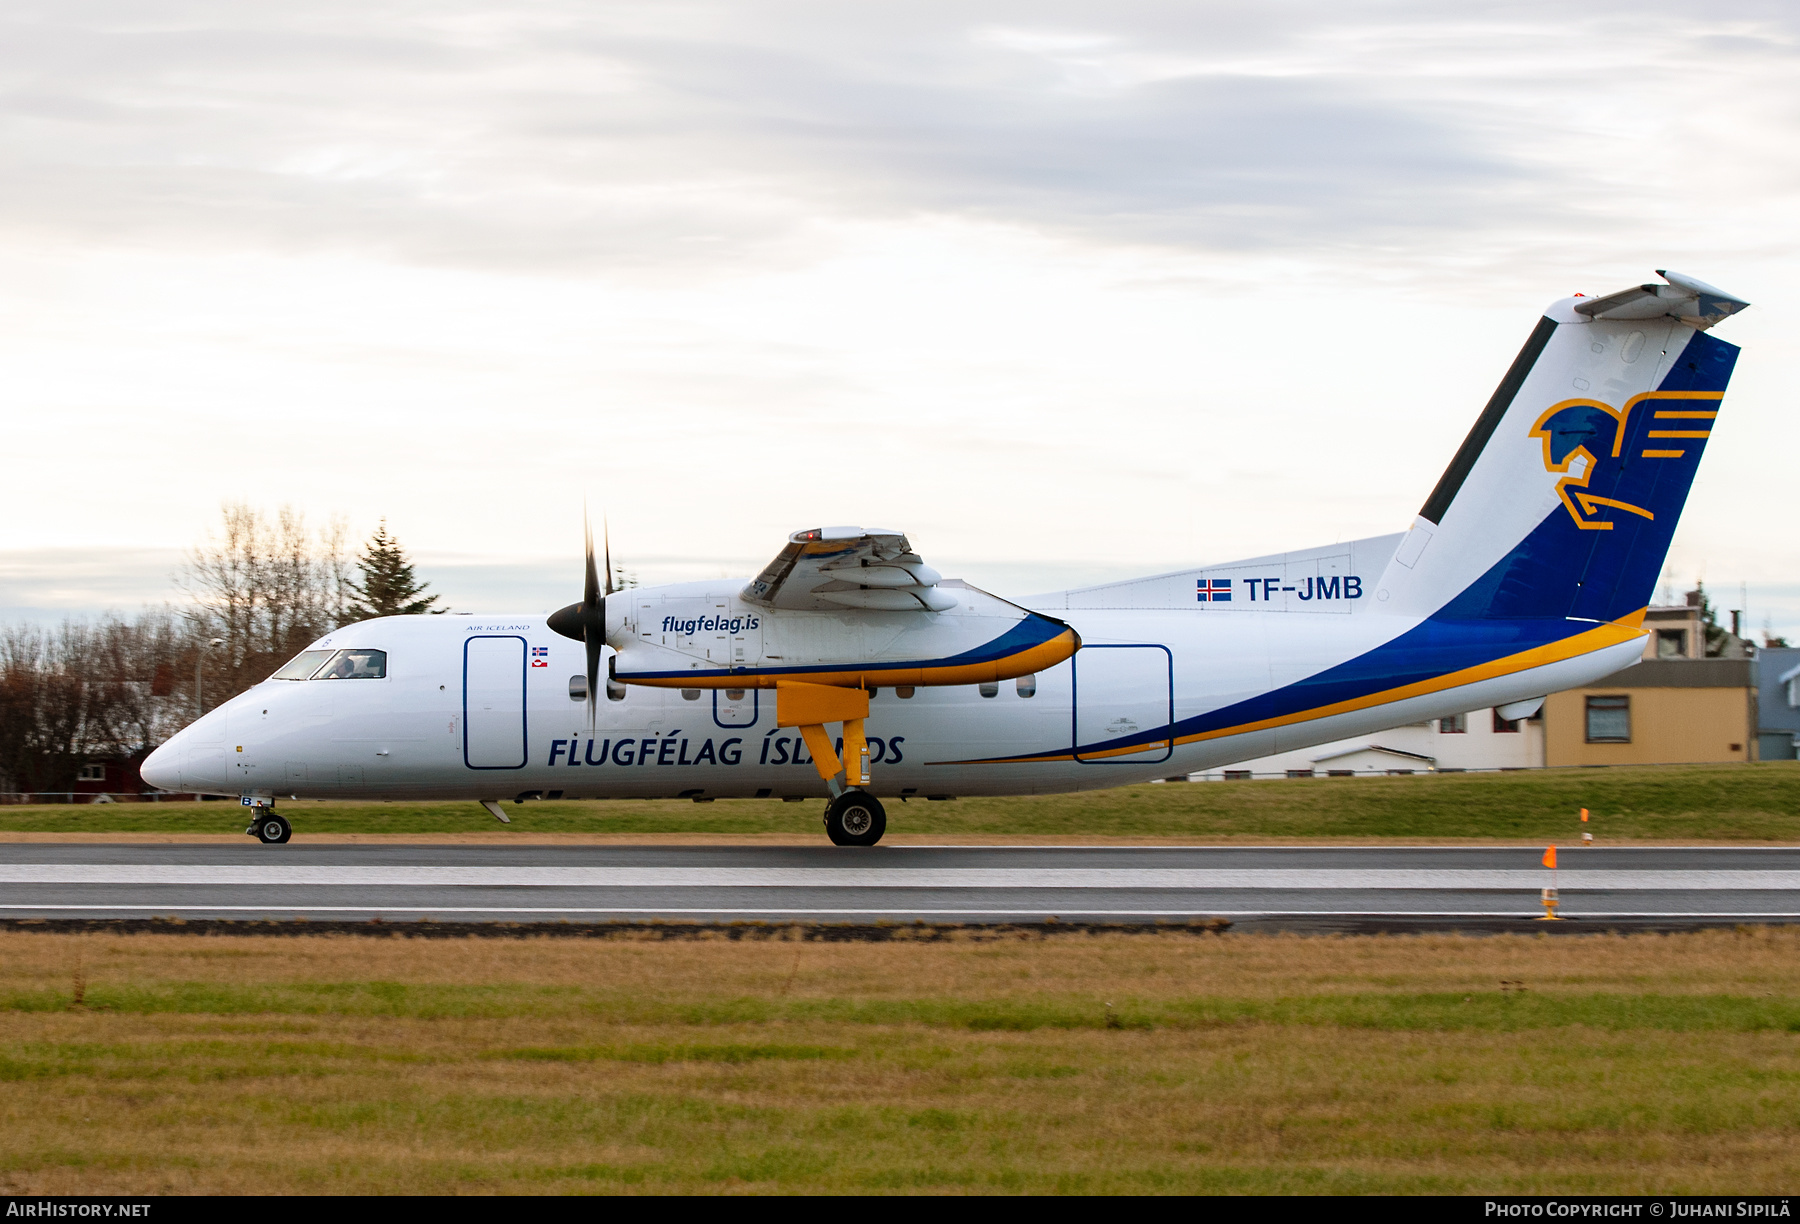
<point x="540" y="656"/>
<point x="1216" y="590"/>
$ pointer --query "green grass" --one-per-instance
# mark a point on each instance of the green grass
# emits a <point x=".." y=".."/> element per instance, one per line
<point x="1173" y="1062"/>
<point x="1398" y="1011"/>
<point x="1755" y="802"/>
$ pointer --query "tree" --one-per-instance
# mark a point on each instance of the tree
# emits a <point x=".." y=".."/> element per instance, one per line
<point x="265" y="588"/>
<point x="1710" y="629"/>
<point x="84" y="692"/>
<point x="388" y="586"/>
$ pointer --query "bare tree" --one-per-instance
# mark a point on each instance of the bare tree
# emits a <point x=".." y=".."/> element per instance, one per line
<point x="117" y="687"/>
<point x="131" y="667"/>
<point x="86" y="692"/>
<point x="265" y="588"/>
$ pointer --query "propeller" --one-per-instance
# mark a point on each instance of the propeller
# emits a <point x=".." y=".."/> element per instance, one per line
<point x="586" y="621"/>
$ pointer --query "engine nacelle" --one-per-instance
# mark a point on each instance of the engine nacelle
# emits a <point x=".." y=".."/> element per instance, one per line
<point x="707" y="635"/>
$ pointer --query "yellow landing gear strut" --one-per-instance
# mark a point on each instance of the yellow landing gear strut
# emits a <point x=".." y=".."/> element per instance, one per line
<point x="854" y="817"/>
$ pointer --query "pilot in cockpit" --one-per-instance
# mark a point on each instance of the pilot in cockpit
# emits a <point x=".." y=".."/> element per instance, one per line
<point x="356" y="665"/>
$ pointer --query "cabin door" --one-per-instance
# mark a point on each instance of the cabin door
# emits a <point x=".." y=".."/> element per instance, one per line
<point x="494" y="703"/>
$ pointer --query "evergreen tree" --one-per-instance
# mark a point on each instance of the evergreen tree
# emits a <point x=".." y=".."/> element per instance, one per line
<point x="388" y="586"/>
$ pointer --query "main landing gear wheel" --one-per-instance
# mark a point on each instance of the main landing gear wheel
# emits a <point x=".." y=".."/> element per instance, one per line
<point x="855" y="818"/>
<point x="271" y="830"/>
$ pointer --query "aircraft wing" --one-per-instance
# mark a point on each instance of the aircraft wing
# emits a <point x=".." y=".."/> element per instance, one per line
<point x="833" y="568"/>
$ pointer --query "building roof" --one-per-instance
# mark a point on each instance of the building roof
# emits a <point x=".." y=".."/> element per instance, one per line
<point x="1683" y="673"/>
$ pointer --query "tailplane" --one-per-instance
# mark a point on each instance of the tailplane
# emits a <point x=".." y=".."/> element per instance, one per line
<point x="1562" y="500"/>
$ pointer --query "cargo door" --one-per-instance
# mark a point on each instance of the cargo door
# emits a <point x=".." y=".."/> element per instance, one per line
<point x="494" y="703"/>
<point x="1124" y="704"/>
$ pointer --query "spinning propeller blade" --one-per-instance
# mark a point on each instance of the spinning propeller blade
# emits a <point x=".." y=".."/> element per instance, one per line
<point x="586" y="621"/>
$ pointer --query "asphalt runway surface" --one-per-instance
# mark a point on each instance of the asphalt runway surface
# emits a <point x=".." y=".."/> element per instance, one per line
<point x="1319" y="888"/>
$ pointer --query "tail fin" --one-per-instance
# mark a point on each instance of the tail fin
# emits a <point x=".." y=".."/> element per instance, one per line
<point x="1562" y="500"/>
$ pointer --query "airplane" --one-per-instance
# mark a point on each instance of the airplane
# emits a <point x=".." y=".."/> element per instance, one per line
<point x="851" y="671"/>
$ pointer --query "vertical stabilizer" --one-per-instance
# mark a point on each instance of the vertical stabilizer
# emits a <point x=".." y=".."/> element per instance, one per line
<point x="1562" y="500"/>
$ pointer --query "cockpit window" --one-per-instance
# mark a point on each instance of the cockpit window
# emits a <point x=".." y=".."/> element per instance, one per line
<point x="302" y="665"/>
<point x="358" y="664"/>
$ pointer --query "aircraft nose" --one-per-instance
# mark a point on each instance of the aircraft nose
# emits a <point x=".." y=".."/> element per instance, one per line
<point x="162" y="768"/>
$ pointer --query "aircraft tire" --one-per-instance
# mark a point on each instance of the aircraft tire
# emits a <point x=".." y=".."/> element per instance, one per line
<point x="273" y="830"/>
<point x="855" y="818"/>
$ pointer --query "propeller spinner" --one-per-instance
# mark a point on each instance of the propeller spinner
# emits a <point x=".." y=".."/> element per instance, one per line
<point x="586" y="621"/>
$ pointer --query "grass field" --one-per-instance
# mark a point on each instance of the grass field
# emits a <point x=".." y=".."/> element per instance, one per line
<point x="1758" y="802"/>
<point x="1165" y="1062"/>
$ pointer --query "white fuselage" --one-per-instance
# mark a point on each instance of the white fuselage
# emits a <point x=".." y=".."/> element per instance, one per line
<point x="429" y="730"/>
<point x="1526" y="571"/>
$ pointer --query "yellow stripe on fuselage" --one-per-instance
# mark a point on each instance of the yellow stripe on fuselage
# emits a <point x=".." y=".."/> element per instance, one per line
<point x="1598" y="638"/>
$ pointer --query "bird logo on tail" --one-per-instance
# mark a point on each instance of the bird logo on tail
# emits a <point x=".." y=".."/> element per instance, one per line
<point x="1586" y="439"/>
<point x="1580" y="438"/>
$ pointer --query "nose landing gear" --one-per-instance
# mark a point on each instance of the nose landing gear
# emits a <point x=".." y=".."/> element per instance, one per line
<point x="855" y="818"/>
<point x="268" y="828"/>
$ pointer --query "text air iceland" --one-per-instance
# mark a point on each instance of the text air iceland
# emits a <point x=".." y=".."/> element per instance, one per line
<point x="1264" y="590"/>
<point x="709" y="624"/>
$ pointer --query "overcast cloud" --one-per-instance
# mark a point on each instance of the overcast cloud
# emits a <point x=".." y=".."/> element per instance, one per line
<point x="1037" y="282"/>
<point x="587" y="136"/>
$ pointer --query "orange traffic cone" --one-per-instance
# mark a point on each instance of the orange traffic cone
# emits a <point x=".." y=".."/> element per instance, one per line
<point x="1549" y="897"/>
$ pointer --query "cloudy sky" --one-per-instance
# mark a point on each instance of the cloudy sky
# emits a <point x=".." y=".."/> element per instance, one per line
<point x="1064" y="290"/>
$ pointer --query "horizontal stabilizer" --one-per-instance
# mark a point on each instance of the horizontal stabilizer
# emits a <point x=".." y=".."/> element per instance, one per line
<point x="1694" y="302"/>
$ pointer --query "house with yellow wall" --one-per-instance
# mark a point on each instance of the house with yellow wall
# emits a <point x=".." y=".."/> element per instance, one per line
<point x="1664" y="711"/>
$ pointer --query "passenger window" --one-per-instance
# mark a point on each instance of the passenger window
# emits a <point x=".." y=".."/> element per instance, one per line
<point x="302" y="665"/>
<point x="903" y="691"/>
<point x="990" y="690"/>
<point x="357" y="664"/>
<point x="577" y="688"/>
<point x="1027" y="686"/>
<point x="690" y="694"/>
<point x="614" y="690"/>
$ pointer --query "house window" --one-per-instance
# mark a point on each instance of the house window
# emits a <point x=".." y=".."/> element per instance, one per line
<point x="1671" y="643"/>
<point x="1237" y="775"/>
<point x="1609" y="720"/>
<point x="91" y="773"/>
<point x="1340" y="773"/>
<point x="1299" y="773"/>
<point x="1504" y="725"/>
<point x="1456" y="724"/>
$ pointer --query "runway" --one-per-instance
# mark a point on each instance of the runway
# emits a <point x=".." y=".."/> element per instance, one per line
<point x="1294" y="887"/>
